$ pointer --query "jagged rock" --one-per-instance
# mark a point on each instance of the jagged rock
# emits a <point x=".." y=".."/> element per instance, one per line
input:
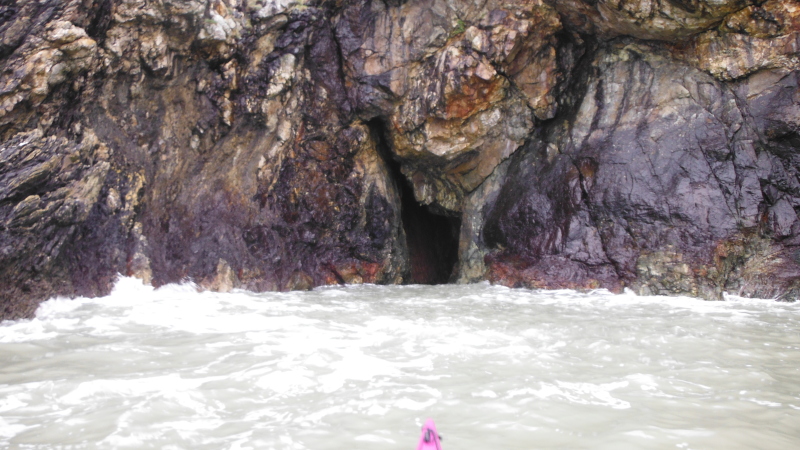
<point x="656" y="171"/>
<point x="51" y="206"/>
<point x="458" y="85"/>
<point x="282" y="144"/>
<point x="668" y="20"/>
<point x="224" y="280"/>
<point x="765" y="36"/>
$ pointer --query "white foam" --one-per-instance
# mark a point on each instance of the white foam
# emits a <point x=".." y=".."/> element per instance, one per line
<point x="177" y="368"/>
<point x="9" y="430"/>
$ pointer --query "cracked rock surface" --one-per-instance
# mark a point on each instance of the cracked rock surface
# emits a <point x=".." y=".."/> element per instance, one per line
<point x="268" y="144"/>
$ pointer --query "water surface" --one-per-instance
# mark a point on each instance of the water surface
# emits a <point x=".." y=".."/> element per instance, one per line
<point x="362" y="367"/>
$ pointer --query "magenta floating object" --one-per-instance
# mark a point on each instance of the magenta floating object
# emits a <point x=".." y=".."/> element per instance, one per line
<point x="430" y="439"/>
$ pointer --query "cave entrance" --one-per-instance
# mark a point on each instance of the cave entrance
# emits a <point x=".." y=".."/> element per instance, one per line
<point x="431" y="239"/>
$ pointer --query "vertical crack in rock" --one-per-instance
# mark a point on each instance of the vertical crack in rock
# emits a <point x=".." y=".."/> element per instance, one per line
<point x="98" y="25"/>
<point x="431" y="238"/>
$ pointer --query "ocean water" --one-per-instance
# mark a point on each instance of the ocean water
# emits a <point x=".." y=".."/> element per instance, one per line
<point x="362" y="367"/>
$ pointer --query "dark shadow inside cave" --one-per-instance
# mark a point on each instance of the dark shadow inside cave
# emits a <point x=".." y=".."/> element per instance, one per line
<point x="432" y="239"/>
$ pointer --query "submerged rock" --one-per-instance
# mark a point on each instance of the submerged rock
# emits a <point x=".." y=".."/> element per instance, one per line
<point x="276" y="145"/>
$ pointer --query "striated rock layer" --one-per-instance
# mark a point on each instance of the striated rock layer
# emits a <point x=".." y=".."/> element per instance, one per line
<point x="286" y="144"/>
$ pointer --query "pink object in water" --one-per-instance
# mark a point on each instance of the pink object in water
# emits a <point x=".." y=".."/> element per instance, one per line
<point x="430" y="439"/>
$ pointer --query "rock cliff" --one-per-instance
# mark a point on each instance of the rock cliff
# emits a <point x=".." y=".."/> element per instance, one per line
<point x="286" y="144"/>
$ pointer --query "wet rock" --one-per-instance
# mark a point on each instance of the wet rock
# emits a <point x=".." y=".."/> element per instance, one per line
<point x="224" y="279"/>
<point x="765" y="36"/>
<point x="657" y="168"/>
<point x="646" y="19"/>
<point x="299" y="281"/>
<point x="459" y="85"/>
<point x="267" y="145"/>
<point x="51" y="203"/>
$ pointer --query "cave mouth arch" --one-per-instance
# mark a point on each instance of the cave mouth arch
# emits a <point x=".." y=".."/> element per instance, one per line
<point x="431" y="238"/>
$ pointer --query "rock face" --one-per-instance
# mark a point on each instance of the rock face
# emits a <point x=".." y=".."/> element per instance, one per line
<point x="286" y="144"/>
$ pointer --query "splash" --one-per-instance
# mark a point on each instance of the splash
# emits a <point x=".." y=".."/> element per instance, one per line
<point x="365" y="365"/>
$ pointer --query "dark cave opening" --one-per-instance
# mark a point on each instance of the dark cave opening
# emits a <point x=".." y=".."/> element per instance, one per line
<point x="432" y="239"/>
